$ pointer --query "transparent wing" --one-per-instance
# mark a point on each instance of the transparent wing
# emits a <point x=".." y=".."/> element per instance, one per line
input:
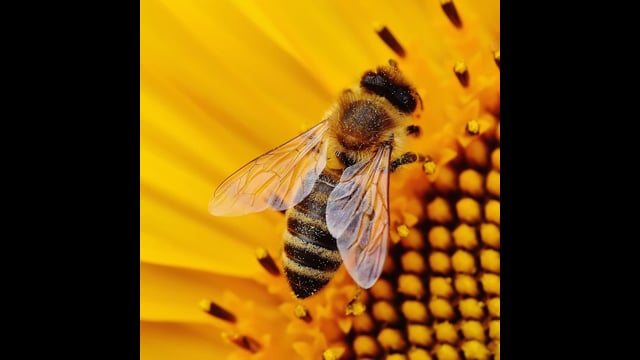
<point x="358" y="217"/>
<point x="278" y="179"/>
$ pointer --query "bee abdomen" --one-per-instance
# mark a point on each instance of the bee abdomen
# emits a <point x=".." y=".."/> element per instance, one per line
<point x="308" y="267"/>
<point x="311" y="255"/>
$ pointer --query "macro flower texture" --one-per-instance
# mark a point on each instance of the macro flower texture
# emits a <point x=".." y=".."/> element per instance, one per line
<point x="222" y="82"/>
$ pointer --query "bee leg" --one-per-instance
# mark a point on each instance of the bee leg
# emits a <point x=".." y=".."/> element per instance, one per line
<point x="345" y="159"/>
<point x="413" y="130"/>
<point x="406" y="158"/>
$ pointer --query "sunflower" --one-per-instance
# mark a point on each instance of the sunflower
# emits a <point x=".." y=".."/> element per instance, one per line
<point x="222" y="82"/>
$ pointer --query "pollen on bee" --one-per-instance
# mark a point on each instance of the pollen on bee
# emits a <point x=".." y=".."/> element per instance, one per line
<point x="217" y="311"/>
<point x="265" y="259"/>
<point x="462" y="73"/>
<point x="302" y="313"/>
<point x="452" y="13"/>
<point x="496" y="57"/>
<point x="385" y="34"/>
<point x="473" y="127"/>
<point x="243" y="341"/>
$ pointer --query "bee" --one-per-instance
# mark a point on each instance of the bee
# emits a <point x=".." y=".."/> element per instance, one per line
<point x="333" y="182"/>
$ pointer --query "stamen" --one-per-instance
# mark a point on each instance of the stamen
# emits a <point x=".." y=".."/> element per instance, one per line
<point x="473" y="127"/>
<point x="496" y="57"/>
<point x="391" y="41"/>
<point x="429" y="166"/>
<point x="302" y="313"/>
<point x="462" y="73"/>
<point x="243" y="341"/>
<point x="216" y="310"/>
<point x="403" y="230"/>
<point x="413" y="130"/>
<point x="355" y="308"/>
<point x="451" y="12"/>
<point x="333" y="353"/>
<point x="265" y="259"/>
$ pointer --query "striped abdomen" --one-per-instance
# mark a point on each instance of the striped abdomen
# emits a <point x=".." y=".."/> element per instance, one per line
<point x="311" y="255"/>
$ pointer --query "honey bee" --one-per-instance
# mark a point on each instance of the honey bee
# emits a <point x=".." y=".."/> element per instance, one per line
<point x="333" y="182"/>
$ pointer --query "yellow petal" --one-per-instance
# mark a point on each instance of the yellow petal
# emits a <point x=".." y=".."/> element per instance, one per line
<point x="173" y="294"/>
<point x="170" y="341"/>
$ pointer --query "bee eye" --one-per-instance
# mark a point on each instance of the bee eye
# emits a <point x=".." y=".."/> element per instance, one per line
<point x="399" y="96"/>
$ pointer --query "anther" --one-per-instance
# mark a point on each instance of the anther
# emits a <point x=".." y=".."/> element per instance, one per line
<point x="403" y="230"/>
<point x="217" y="311"/>
<point x="413" y="130"/>
<point x="429" y="166"/>
<point x="452" y="13"/>
<point x="462" y="73"/>
<point x="355" y="308"/>
<point x="333" y="353"/>
<point x="496" y="57"/>
<point x="302" y="313"/>
<point x="243" y="341"/>
<point x="473" y="127"/>
<point x="265" y="259"/>
<point x="390" y="40"/>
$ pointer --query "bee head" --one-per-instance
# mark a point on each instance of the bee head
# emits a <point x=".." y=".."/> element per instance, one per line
<point x="389" y="83"/>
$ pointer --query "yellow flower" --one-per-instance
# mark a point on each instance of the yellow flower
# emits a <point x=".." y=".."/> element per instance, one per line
<point x="222" y="82"/>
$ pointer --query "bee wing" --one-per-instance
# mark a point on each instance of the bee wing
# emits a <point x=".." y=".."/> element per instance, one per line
<point x="278" y="179"/>
<point x="358" y="217"/>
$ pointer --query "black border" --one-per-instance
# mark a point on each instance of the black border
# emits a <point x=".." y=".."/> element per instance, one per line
<point x="72" y="170"/>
